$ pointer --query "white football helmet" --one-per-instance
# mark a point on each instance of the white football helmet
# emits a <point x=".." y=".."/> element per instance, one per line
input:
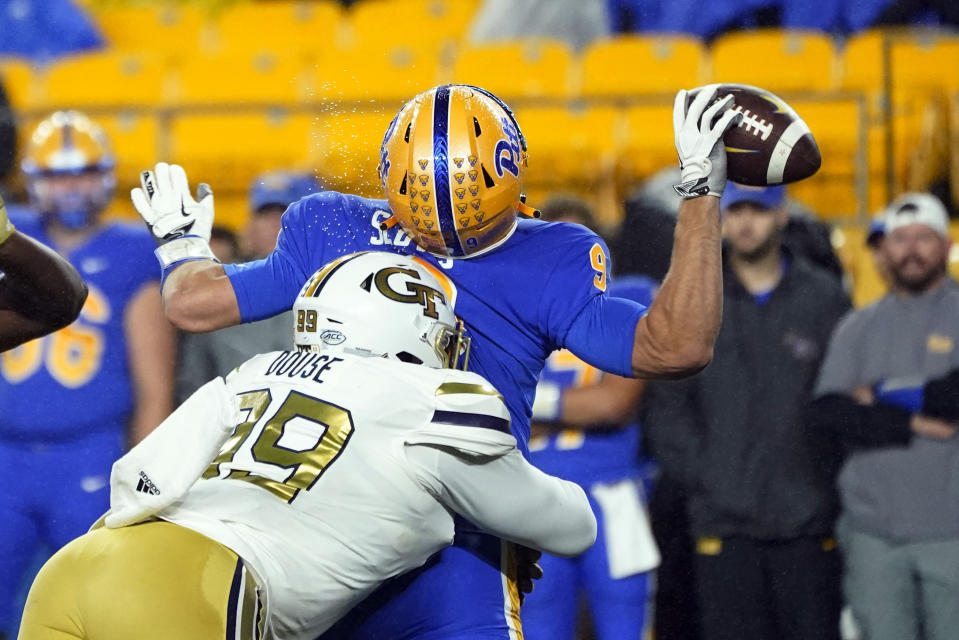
<point x="381" y="304"/>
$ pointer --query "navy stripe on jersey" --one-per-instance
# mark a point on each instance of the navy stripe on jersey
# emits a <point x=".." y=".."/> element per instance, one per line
<point x="441" y="171"/>
<point x="234" y="601"/>
<point x="471" y="420"/>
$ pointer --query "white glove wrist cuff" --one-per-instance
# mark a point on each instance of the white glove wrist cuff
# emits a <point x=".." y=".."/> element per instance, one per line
<point x="183" y="248"/>
<point x="548" y="403"/>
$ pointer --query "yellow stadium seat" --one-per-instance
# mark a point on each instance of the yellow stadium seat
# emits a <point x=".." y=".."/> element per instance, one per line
<point x="256" y="78"/>
<point x="438" y="24"/>
<point x="539" y="68"/>
<point x="306" y="28"/>
<point x="109" y="78"/>
<point x="392" y="74"/>
<point x="867" y="285"/>
<point x="174" y="29"/>
<point x="232" y="210"/>
<point x="569" y="147"/>
<point x="19" y="82"/>
<point x="837" y="125"/>
<point x="136" y="144"/>
<point x="647" y="143"/>
<point x="954" y="250"/>
<point x="925" y="63"/>
<point x="228" y="150"/>
<point x="862" y="71"/>
<point x="636" y="65"/>
<point x="348" y="150"/>
<point x="861" y="67"/>
<point x="776" y="60"/>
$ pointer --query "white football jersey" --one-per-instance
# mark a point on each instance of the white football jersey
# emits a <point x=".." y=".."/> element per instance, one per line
<point x="317" y="491"/>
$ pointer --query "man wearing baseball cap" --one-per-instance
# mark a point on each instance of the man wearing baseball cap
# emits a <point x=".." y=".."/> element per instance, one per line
<point x="270" y="195"/>
<point x="888" y="393"/>
<point x="734" y="437"/>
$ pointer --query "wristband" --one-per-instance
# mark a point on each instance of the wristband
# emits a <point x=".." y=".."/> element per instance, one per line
<point x="179" y="250"/>
<point x="694" y="188"/>
<point x="548" y="402"/>
<point x="905" y="393"/>
<point x="182" y="249"/>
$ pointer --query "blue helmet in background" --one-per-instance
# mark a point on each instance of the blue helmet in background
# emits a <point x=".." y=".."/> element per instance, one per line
<point x="281" y="189"/>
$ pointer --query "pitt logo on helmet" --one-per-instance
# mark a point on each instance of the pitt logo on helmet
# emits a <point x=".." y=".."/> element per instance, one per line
<point x="453" y="162"/>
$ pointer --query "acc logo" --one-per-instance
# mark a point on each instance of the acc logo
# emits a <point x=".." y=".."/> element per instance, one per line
<point x="507" y="151"/>
<point x="331" y="336"/>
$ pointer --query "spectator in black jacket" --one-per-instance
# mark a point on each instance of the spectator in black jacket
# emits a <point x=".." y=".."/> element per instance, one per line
<point x="760" y="511"/>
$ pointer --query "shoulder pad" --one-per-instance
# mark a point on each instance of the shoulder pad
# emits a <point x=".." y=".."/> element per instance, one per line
<point x="468" y="400"/>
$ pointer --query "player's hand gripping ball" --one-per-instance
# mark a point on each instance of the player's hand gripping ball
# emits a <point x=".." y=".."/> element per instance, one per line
<point x="771" y="144"/>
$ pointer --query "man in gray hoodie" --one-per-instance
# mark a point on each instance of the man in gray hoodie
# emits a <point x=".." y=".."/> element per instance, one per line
<point x="885" y="394"/>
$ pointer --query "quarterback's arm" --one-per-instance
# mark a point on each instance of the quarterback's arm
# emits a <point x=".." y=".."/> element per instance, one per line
<point x="675" y="337"/>
<point x="151" y="345"/>
<point x="40" y="292"/>
<point x="509" y="497"/>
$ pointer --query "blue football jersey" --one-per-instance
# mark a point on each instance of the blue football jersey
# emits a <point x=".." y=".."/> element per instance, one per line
<point x="76" y="380"/>
<point x="518" y="301"/>
<point x="594" y="455"/>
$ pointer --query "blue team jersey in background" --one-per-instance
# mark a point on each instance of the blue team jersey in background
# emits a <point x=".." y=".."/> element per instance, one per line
<point x="594" y="455"/>
<point x="518" y="301"/>
<point x="76" y="381"/>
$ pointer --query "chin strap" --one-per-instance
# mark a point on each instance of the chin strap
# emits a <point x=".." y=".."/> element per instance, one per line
<point x="389" y="223"/>
<point x="525" y="210"/>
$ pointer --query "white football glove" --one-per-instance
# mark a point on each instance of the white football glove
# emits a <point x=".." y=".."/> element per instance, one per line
<point x="179" y="224"/>
<point x="699" y="141"/>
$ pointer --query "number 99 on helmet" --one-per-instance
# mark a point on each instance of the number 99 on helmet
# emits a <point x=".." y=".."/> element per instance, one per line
<point x="384" y="305"/>
<point x="453" y="164"/>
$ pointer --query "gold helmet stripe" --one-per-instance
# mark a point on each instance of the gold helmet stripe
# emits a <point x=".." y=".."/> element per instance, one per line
<point x="315" y="285"/>
<point x="448" y="287"/>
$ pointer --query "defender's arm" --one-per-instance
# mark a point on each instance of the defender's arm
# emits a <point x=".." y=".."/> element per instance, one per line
<point x="510" y="498"/>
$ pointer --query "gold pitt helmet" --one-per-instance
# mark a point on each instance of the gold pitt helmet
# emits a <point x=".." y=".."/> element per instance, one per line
<point x="67" y="142"/>
<point x="69" y="169"/>
<point x="453" y="162"/>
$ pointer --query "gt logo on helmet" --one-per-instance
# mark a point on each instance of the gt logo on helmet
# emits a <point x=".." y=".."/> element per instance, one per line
<point x="418" y="293"/>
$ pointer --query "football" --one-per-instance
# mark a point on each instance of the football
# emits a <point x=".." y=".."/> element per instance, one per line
<point x="772" y="145"/>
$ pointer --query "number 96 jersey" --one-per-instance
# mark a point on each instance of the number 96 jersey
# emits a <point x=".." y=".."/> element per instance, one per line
<point x="314" y="489"/>
<point x="76" y="381"/>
